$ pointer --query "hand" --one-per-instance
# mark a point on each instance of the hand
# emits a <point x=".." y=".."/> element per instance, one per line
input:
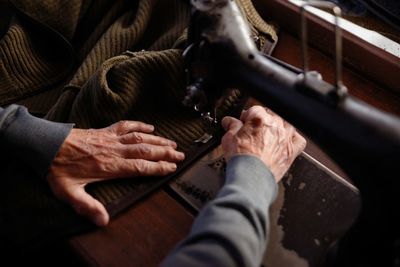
<point x="263" y="134"/>
<point x="124" y="149"/>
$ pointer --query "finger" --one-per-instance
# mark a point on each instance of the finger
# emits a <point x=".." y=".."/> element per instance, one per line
<point x="124" y="127"/>
<point x="231" y="124"/>
<point x="87" y="206"/>
<point x="280" y="122"/>
<point x="251" y="112"/>
<point x="137" y="138"/>
<point x="243" y="114"/>
<point x="270" y="112"/>
<point x="283" y="133"/>
<point x="141" y="167"/>
<point x="299" y="143"/>
<point x="287" y="125"/>
<point x="257" y="113"/>
<point x="152" y="152"/>
<point x="290" y="132"/>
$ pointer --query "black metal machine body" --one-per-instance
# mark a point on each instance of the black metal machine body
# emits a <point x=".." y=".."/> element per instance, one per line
<point x="363" y="140"/>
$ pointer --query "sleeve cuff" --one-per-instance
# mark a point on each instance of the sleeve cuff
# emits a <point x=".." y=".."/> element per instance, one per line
<point x="253" y="178"/>
<point x="35" y="141"/>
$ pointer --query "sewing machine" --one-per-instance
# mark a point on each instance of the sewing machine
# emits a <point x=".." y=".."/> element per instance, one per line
<point x="363" y="140"/>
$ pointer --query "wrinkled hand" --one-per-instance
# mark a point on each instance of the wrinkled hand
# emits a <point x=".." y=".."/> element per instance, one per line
<point x="263" y="134"/>
<point x="124" y="149"/>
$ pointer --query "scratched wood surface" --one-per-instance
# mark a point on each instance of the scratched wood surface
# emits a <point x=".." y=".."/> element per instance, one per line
<point x="147" y="231"/>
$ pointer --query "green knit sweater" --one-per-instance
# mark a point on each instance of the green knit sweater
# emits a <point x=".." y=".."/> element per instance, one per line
<point x="92" y="63"/>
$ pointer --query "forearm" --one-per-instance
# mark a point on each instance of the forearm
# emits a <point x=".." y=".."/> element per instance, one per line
<point x="33" y="140"/>
<point x="232" y="229"/>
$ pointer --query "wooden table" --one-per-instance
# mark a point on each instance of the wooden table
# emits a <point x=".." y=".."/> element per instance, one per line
<point x="141" y="236"/>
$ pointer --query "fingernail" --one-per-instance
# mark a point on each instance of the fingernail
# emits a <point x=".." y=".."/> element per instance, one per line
<point x="181" y="156"/>
<point x="174" y="167"/>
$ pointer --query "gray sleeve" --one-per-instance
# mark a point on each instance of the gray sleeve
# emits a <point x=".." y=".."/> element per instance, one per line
<point x="33" y="140"/>
<point x="232" y="229"/>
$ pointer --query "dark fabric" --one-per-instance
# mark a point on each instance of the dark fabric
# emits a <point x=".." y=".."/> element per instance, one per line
<point x="27" y="137"/>
<point x="114" y="60"/>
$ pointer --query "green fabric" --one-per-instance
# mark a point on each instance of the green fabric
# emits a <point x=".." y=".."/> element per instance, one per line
<point x="114" y="60"/>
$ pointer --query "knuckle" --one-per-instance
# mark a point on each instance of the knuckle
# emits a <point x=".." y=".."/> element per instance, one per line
<point x="171" y="153"/>
<point x="300" y="143"/>
<point x="140" y="166"/>
<point x="123" y="124"/>
<point x="137" y="138"/>
<point x="165" y="167"/>
<point x="303" y="142"/>
<point x="144" y="150"/>
<point x="255" y="108"/>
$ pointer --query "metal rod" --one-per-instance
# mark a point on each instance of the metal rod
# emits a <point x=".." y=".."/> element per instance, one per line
<point x="304" y="47"/>
<point x="338" y="40"/>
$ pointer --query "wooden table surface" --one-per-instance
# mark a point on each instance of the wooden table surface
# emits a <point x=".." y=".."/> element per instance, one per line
<point x="145" y="233"/>
<point x="141" y="236"/>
